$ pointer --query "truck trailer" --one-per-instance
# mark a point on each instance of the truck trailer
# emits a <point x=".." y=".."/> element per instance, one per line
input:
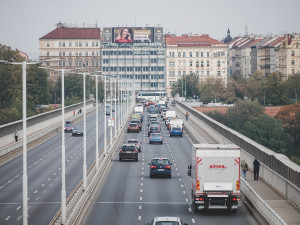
<point x="215" y="173"/>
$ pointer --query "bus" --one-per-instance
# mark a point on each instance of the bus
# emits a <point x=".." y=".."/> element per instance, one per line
<point x="151" y="95"/>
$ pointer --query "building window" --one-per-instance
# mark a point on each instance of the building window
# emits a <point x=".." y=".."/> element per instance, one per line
<point x="80" y="53"/>
<point x="76" y="44"/>
<point x="105" y="61"/>
<point x="218" y="54"/>
<point x="197" y="73"/>
<point x="202" y="64"/>
<point x="70" y="44"/>
<point x="153" y="60"/>
<point x="48" y="53"/>
<point x="179" y="73"/>
<point x="191" y="54"/>
<point x="59" y="54"/>
<point x="70" y="62"/>
<point x="297" y="45"/>
<point x="86" y="53"/>
<point x="218" y="63"/>
<point x="202" y="54"/>
<point x="207" y="73"/>
<point x="70" y="53"/>
<point x="219" y="73"/>
<point x="86" y="44"/>
<point x="173" y="54"/>
<point x="183" y="54"/>
<point x="80" y="44"/>
<point x="207" y="54"/>
<point x="183" y="73"/>
<point x="97" y="44"/>
<point x="207" y="63"/>
<point x="197" y="54"/>
<point x="47" y="63"/>
<point x="191" y="63"/>
<point x="179" y="54"/>
<point x="202" y="73"/>
<point x="48" y="45"/>
<point x="197" y="63"/>
<point x="293" y="53"/>
<point x="293" y="71"/>
<point x="293" y="62"/>
<point x="87" y="63"/>
<point x="93" y="44"/>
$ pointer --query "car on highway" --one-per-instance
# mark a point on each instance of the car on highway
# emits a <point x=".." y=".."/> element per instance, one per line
<point x="138" y="122"/>
<point x="136" y="143"/>
<point x="160" y="167"/>
<point x="68" y="127"/>
<point x="156" y="138"/>
<point x="133" y="127"/>
<point x="153" y="129"/>
<point x="77" y="130"/>
<point x="176" y="131"/>
<point x="107" y="110"/>
<point x="128" y="151"/>
<point x="151" y="119"/>
<point x="155" y="122"/>
<point x="166" y="220"/>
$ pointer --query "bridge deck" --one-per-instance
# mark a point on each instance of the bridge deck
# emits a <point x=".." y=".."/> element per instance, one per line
<point x="288" y="212"/>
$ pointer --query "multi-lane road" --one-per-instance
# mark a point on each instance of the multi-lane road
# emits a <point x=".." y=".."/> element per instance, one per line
<point x="128" y="195"/>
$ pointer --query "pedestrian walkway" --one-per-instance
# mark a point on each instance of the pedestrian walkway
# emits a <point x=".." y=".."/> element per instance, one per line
<point x="288" y="212"/>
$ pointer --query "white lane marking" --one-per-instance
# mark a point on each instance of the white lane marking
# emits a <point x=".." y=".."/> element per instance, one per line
<point x="54" y="174"/>
<point x="143" y="163"/>
<point x="176" y="168"/>
<point x="49" y="178"/>
<point x="141" y="198"/>
<point x="139" y="218"/>
<point x="42" y="185"/>
<point x="142" y="184"/>
<point x="1" y="187"/>
<point x="193" y="220"/>
<point x="7" y="218"/>
<point x="184" y="192"/>
<point x="142" y="173"/>
<point x="36" y="191"/>
<point x="190" y="210"/>
<point x="19" y="207"/>
<point x="142" y="178"/>
<point x="179" y="179"/>
<point x="181" y="185"/>
<point x="9" y="181"/>
<point x="186" y="200"/>
<point x="140" y="207"/>
<point x="141" y="190"/>
<point x="37" y="198"/>
<point x="178" y="174"/>
<point x="143" y="168"/>
<point x="19" y="217"/>
<point x="28" y="199"/>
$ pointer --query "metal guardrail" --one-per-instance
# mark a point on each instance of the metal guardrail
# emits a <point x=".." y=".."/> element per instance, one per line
<point x="261" y="206"/>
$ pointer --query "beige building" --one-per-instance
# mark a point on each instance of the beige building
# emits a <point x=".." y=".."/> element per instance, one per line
<point x="201" y="55"/>
<point x="289" y="55"/>
<point x="70" y="48"/>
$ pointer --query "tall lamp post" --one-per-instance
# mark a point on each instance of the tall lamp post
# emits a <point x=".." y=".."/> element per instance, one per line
<point x="63" y="149"/>
<point x="24" y="178"/>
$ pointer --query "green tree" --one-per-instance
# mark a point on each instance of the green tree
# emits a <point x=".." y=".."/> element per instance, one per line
<point x="268" y="132"/>
<point x="275" y="90"/>
<point x="212" y="90"/>
<point x="191" y="82"/>
<point x="241" y="113"/>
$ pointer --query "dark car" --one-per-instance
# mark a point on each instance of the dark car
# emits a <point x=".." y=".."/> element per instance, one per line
<point x="78" y="130"/>
<point x="135" y="142"/>
<point x="133" y="127"/>
<point x="138" y="122"/>
<point x="128" y="151"/>
<point x="153" y="129"/>
<point x="160" y="167"/>
<point x="156" y="138"/>
<point x="68" y="127"/>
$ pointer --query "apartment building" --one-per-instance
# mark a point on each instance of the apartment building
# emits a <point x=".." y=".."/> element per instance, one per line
<point x="289" y="55"/>
<point x="70" y="47"/>
<point x="201" y="55"/>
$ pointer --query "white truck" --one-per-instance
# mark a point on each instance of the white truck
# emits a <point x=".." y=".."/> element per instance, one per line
<point x="170" y="114"/>
<point x="215" y="173"/>
<point x="138" y="109"/>
<point x="176" y="122"/>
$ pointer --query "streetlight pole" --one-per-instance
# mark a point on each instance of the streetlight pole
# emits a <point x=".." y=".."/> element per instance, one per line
<point x="115" y="122"/>
<point x="110" y="108"/>
<point x="185" y="87"/>
<point x="97" y="126"/>
<point x="105" y="121"/>
<point x="84" y="133"/>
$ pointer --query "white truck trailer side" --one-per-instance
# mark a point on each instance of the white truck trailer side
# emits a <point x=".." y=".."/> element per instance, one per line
<point x="215" y="173"/>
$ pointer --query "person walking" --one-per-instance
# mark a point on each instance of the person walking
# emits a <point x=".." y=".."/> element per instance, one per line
<point x="73" y="112"/>
<point x="256" y="165"/>
<point x="187" y="115"/>
<point x="244" y="166"/>
<point x="16" y="134"/>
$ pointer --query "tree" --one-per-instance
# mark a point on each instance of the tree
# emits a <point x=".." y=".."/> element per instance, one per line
<point x="293" y="87"/>
<point x="275" y="91"/>
<point x="268" y="132"/>
<point x="254" y="85"/>
<point x="212" y="89"/>
<point x="243" y="112"/>
<point x="191" y="82"/>
<point x="290" y="117"/>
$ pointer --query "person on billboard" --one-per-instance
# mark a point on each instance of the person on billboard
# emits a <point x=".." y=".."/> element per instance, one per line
<point x="124" y="36"/>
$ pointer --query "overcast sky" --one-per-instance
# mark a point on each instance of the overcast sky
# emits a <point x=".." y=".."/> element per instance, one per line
<point x="23" y="22"/>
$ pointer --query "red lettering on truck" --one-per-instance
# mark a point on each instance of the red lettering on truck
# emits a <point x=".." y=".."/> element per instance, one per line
<point x="217" y="167"/>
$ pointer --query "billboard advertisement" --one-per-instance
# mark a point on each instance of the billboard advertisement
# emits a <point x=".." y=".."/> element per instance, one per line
<point x="107" y="35"/>
<point x="132" y="35"/>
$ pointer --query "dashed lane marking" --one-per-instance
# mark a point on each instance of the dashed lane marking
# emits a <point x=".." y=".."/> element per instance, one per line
<point x="141" y="198"/>
<point x="140" y="207"/>
<point x="193" y="220"/>
<point x="184" y="192"/>
<point x="141" y="190"/>
<point x="19" y="217"/>
<point x="7" y="218"/>
<point x="19" y="207"/>
<point x="36" y="191"/>
<point x="139" y="218"/>
<point x="186" y="200"/>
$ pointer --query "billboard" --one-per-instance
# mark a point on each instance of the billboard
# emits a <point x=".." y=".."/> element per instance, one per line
<point x="133" y="35"/>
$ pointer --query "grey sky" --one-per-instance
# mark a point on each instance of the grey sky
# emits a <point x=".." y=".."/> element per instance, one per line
<point x="23" y="22"/>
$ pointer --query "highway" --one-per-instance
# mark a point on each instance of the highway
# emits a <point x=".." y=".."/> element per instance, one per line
<point x="44" y="175"/>
<point x="128" y="196"/>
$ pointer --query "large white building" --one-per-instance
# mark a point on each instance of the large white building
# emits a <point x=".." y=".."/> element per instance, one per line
<point x="201" y="55"/>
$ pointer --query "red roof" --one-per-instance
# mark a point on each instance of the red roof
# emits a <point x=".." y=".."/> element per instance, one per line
<point x="191" y="41"/>
<point x="73" y="33"/>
